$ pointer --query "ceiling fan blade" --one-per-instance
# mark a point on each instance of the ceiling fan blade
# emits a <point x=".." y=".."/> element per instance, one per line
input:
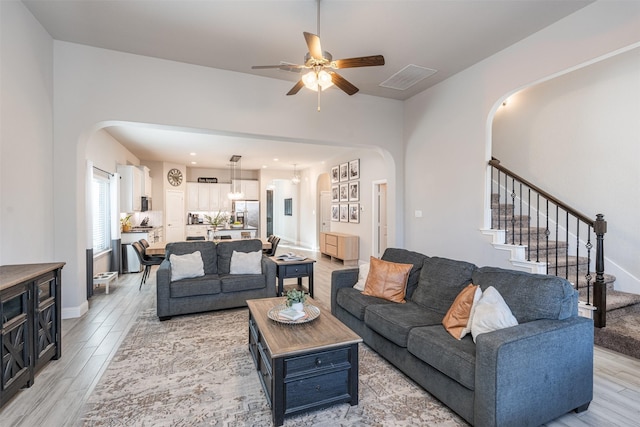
<point x="281" y="67"/>
<point x="363" y="61"/>
<point x="343" y="84"/>
<point x="296" y="88"/>
<point x="313" y="43"/>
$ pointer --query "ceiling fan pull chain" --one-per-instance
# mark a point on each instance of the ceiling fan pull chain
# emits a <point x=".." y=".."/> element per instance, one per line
<point x="319" y="90"/>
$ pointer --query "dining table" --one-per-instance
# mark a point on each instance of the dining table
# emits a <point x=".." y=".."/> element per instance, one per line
<point x="159" y="248"/>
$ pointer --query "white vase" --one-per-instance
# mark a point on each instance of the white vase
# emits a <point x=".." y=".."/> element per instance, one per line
<point x="298" y="306"/>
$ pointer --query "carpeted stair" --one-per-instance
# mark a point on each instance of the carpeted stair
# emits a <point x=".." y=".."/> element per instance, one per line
<point x="622" y="331"/>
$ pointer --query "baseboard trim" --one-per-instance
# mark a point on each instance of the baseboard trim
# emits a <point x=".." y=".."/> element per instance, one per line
<point x="75" y="312"/>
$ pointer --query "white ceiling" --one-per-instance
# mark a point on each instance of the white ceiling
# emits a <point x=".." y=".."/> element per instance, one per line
<point x="444" y="35"/>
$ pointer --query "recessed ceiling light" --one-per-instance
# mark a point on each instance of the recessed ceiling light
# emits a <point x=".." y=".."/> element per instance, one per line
<point x="276" y="159"/>
<point x="264" y="166"/>
<point x="194" y="163"/>
<point x="192" y="154"/>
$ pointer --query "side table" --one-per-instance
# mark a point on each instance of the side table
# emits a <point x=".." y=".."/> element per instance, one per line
<point x="294" y="269"/>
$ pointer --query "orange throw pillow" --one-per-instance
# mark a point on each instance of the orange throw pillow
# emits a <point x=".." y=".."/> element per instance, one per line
<point x="387" y="280"/>
<point x="457" y="318"/>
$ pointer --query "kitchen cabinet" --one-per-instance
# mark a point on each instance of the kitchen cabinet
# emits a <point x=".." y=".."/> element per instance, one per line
<point x="30" y="323"/>
<point x="340" y="246"/>
<point x="147" y="183"/>
<point x="206" y="197"/>
<point x="250" y="188"/>
<point x="130" y="188"/>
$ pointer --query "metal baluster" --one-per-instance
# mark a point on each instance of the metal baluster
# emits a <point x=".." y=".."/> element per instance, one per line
<point x="513" y="211"/>
<point x="529" y="224"/>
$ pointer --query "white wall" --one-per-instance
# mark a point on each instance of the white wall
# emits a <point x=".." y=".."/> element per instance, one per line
<point x="448" y="127"/>
<point x="26" y="144"/>
<point x="584" y="126"/>
<point x="107" y="153"/>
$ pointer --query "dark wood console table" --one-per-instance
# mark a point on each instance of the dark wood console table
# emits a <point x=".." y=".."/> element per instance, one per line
<point x="30" y="321"/>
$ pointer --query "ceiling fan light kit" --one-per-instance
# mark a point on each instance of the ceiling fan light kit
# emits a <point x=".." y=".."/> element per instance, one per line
<point x="321" y="66"/>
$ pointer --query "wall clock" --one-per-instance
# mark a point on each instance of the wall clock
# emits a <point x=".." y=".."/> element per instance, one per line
<point x="174" y="176"/>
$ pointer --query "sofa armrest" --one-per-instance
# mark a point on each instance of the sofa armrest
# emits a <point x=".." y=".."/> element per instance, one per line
<point x="163" y="280"/>
<point x="345" y="278"/>
<point x="269" y="271"/>
<point x="534" y="372"/>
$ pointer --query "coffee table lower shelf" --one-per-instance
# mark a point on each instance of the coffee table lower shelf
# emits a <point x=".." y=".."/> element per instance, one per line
<point x="306" y="379"/>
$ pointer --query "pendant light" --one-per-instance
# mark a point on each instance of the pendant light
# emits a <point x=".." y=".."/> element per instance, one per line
<point x="236" y="188"/>
<point x="295" y="180"/>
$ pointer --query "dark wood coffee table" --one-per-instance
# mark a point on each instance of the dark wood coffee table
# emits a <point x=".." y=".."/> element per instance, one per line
<point x="303" y="366"/>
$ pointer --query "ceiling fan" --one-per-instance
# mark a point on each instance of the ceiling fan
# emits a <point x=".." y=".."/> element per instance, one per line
<point x="321" y="67"/>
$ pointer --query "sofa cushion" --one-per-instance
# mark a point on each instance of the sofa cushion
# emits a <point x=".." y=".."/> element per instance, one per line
<point x="441" y="280"/>
<point x="530" y="296"/>
<point x="207" y="251"/>
<point x="186" y="266"/>
<point x="363" y="273"/>
<point x="225" y="252"/>
<point x="394" y="321"/>
<point x="454" y="358"/>
<point x="457" y="321"/>
<point x="491" y="313"/>
<point x="407" y="257"/>
<point x="354" y="302"/>
<point x="246" y="262"/>
<point x="242" y="282"/>
<point x="387" y="280"/>
<point x="203" y="285"/>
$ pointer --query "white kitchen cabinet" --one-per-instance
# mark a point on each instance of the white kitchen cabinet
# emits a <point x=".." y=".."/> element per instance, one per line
<point x="147" y="186"/>
<point x="206" y="197"/>
<point x="225" y="202"/>
<point x="130" y="188"/>
<point x="197" y="231"/>
<point x="192" y="196"/>
<point x="250" y="188"/>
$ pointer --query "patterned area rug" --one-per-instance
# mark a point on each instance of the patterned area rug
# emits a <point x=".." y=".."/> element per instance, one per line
<point x="197" y="371"/>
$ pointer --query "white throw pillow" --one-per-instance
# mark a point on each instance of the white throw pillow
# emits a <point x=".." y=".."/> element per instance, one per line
<point x="246" y="263"/>
<point x="474" y="304"/>
<point x="362" y="277"/>
<point x="186" y="266"/>
<point x="491" y="313"/>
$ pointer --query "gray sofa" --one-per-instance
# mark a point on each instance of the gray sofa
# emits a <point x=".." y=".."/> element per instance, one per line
<point x="217" y="289"/>
<point x="524" y="375"/>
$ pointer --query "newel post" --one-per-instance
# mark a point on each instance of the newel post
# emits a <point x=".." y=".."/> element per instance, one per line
<point x="599" y="287"/>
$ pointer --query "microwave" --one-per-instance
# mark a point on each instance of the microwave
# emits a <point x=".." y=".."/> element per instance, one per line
<point x="146" y="204"/>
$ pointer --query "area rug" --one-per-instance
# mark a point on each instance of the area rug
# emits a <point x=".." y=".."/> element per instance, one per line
<point x="197" y="371"/>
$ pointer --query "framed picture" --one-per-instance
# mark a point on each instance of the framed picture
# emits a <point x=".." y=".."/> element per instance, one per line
<point x="288" y="207"/>
<point x="335" y="193"/>
<point x="344" y="192"/>
<point x="354" y="191"/>
<point x="344" y="172"/>
<point x="335" y="174"/>
<point x="335" y="213"/>
<point x="354" y="212"/>
<point x="354" y="169"/>
<point x="344" y="213"/>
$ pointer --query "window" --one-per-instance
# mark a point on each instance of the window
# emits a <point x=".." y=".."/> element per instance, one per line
<point x="100" y="212"/>
<point x="288" y="205"/>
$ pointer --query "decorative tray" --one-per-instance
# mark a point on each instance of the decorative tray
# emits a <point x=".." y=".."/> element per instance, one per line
<point x="310" y="313"/>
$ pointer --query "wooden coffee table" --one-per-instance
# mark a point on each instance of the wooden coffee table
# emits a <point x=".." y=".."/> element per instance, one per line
<point x="303" y="366"/>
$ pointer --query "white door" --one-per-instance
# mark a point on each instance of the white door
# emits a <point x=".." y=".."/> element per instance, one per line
<point x="325" y="211"/>
<point x="380" y="218"/>
<point x="174" y="210"/>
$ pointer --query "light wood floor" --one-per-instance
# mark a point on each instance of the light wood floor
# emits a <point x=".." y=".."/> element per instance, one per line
<point x="89" y="343"/>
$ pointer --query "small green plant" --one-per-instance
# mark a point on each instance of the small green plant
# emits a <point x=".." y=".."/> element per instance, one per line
<point x="218" y="220"/>
<point x="294" y="296"/>
<point x="125" y="222"/>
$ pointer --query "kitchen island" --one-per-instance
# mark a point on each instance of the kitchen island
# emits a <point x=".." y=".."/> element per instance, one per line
<point x="202" y="230"/>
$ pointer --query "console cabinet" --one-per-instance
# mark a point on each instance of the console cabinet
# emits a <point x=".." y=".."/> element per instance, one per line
<point x="30" y="320"/>
<point x="344" y="247"/>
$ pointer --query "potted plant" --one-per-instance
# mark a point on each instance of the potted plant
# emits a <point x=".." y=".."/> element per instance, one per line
<point x="220" y="219"/>
<point x="295" y="299"/>
<point x="125" y="223"/>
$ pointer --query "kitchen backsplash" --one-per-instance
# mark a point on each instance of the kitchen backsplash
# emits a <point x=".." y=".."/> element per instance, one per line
<point x="155" y="218"/>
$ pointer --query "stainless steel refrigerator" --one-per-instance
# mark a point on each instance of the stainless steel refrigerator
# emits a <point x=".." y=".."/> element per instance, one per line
<point x="248" y="211"/>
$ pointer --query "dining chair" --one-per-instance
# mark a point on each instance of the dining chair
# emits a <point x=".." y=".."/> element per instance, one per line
<point x="146" y="261"/>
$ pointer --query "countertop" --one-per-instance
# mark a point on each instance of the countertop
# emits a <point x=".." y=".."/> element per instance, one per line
<point x="142" y="230"/>
<point x="226" y="229"/>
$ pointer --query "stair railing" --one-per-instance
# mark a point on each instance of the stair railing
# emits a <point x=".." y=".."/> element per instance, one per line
<point x="526" y="199"/>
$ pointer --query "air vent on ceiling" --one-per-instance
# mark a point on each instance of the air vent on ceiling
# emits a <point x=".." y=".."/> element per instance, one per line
<point x="407" y="77"/>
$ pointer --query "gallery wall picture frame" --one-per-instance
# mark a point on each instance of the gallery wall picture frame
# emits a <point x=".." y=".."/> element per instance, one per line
<point x="354" y="169"/>
<point x="344" y="192"/>
<point x="344" y="213"/>
<point x="335" y="174"/>
<point x="354" y="212"/>
<point x="288" y="207"/>
<point x="344" y="172"/>
<point x="335" y="193"/>
<point x="335" y="213"/>
<point x="354" y="191"/>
